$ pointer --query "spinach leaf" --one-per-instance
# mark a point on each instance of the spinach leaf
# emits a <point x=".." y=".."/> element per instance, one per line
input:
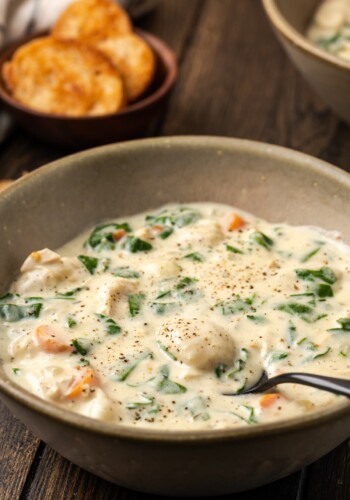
<point x="80" y="346"/>
<point x="344" y="326"/>
<point x="309" y="255"/>
<point x="306" y="313"/>
<point x="345" y="323"/>
<point x="110" y="325"/>
<point x="242" y="387"/>
<point x="260" y="320"/>
<point x="322" y="354"/>
<point x="12" y="312"/>
<point x="90" y="263"/>
<point x="71" y="322"/>
<point x="311" y="346"/>
<point x="166" y="350"/>
<point x="262" y="240"/>
<point x="101" y="237"/>
<point x="125" y="272"/>
<point x="250" y="411"/>
<point x="178" y="217"/>
<point x="238" y="365"/>
<point x="143" y="401"/>
<point x="326" y="43"/>
<point x="126" y="370"/>
<point x="134" y="245"/>
<point x="195" y="257"/>
<point x="276" y="356"/>
<point x="301" y="341"/>
<point x="33" y="299"/>
<point x="251" y="419"/>
<point x="291" y="333"/>
<point x="106" y="263"/>
<point x="83" y="362"/>
<point x="167" y="386"/>
<point x="185" y="288"/>
<point x="322" y="290"/>
<point x="324" y="274"/>
<point x="183" y="291"/>
<point x="7" y="296"/>
<point x="165" y="233"/>
<point x="70" y="295"/>
<point x="197" y="408"/>
<point x="135" y="302"/>
<point x="295" y="308"/>
<point x="161" y="308"/>
<point x="235" y="306"/>
<point x="232" y="249"/>
<point x="220" y="370"/>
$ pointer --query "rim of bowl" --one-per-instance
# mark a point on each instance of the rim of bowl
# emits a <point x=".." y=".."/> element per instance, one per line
<point x="158" y="46"/>
<point x="185" y="437"/>
<point x="296" y="38"/>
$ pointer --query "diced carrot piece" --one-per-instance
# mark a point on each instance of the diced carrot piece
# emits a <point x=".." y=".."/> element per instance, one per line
<point x="118" y="234"/>
<point x="157" y="227"/>
<point x="49" y="342"/>
<point x="83" y="378"/>
<point x="268" y="400"/>
<point x="36" y="256"/>
<point x="235" y="222"/>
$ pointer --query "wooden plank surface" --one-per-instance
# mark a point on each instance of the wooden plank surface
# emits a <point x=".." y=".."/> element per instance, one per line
<point x="234" y="80"/>
<point x="18" y="448"/>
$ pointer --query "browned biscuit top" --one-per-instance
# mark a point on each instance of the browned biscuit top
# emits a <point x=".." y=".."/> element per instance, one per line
<point x="92" y="20"/>
<point x="64" y="78"/>
<point x="134" y="60"/>
<point x="5" y="183"/>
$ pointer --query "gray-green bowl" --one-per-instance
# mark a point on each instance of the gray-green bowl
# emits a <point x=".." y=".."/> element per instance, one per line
<point x="53" y="204"/>
<point x="326" y="73"/>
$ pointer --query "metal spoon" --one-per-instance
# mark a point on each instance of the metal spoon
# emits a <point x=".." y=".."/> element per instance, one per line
<point x="338" y="386"/>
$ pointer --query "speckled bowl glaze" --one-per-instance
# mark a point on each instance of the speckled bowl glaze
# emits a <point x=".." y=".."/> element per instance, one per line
<point x="53" y="204"/>
<point x="326" y="73"/>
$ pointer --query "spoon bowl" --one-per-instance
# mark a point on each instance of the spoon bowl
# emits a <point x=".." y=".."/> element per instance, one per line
<point x="331" y="384"/>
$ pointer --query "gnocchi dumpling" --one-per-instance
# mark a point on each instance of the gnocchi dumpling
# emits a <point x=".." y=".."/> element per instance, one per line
<point x="109" y="293"/>
<point x="197" y="343"/>
<point x="45" y="269"/>
<point x="203" y="232"/>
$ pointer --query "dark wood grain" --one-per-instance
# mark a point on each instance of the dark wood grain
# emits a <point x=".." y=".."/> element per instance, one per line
<point x="329" y="478"/>
<point x="18" y="448"/>
<point x="245" y="86"/>
<point x="234" y="80"/>
<point x="67" y="479"/>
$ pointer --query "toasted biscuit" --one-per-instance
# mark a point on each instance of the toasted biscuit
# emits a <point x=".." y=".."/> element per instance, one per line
<point x="65" y="78"/>
<point x="133" y="58"/>
<point x="91" y="20"/>
<point x="5" y="183"/>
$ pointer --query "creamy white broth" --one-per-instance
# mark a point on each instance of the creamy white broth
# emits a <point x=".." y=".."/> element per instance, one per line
<point x="330" y="27"/>
<point x="149" y="321"/>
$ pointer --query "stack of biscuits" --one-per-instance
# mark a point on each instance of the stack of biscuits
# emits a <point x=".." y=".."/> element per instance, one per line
<point x="92" y="63"/>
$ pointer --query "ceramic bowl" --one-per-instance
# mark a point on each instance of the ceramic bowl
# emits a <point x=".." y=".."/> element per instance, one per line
<point x="53" y="204"/>
<point x="82" y="132"/>
<point x="326" y="73"/>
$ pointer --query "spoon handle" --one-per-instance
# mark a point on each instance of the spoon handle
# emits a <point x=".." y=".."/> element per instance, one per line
<point x="335" y="385"/>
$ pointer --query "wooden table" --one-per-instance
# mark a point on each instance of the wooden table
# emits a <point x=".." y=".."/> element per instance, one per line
<point x="235" y="81"/>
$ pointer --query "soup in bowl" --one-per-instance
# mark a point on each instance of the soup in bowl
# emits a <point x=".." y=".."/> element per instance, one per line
<point x="114" y="345"/>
